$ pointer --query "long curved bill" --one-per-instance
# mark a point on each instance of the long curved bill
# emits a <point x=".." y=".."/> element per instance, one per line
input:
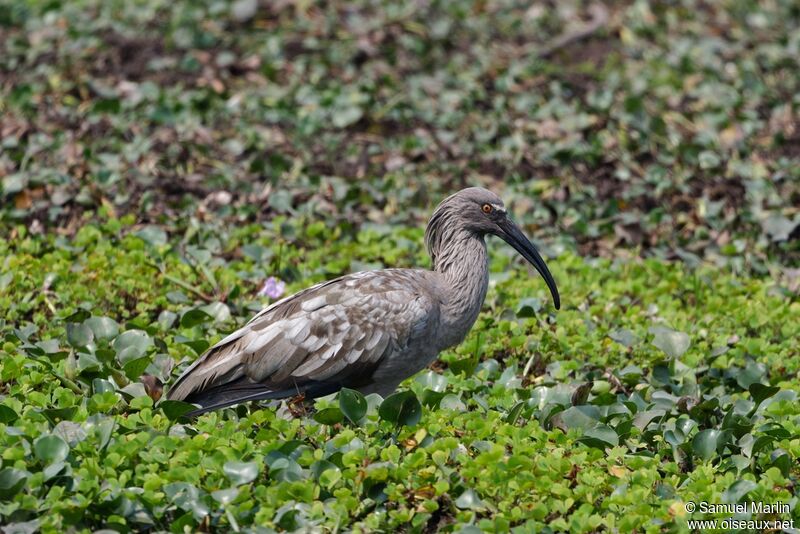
<point x="511" y="234"/>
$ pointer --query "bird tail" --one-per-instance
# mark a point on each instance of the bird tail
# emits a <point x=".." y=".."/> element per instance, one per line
<point x="224" y="397"/>
<point x="230" y="394"/>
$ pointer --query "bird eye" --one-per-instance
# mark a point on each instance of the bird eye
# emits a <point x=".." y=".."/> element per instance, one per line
<point x="486" y="208"/>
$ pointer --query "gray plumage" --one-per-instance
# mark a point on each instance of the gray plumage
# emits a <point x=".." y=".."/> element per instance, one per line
<point x="367" y="331"/>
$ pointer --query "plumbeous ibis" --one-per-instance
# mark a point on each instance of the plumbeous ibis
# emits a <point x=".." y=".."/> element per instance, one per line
<point x="369" y="330"/>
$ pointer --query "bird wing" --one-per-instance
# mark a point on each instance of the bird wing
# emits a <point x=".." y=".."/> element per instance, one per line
<point x="325" y="337"/>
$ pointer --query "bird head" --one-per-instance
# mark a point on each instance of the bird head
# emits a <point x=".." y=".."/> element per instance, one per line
<point x="482" y="212"/>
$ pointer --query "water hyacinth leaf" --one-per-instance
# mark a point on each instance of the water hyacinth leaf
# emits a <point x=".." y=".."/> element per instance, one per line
<point x="642" y="419"/>
<point x="401" y="408"/>
<point x="152" y="235"/>
<point x="624" y="337"/>
<point x="103" y="327"/>
<point x="352" y="404"/>
<point x="71" y="432"/>
<point x="11" y="481"/>
<point x="759" y="392"/>
<point x="133" y="369"/>
<point x="7" y="415"/>
<point x="329" y="478"/>
<point x="778" y="227"/>
<point x="102" y="428"/>
<point x="175" y="410"/>
<point x="320" y="466"/>
<point x="752" y="373"/>
<point x="329" y="416"/>
<point x="199" y="346"/>
<point x="51" y="449"/>
<point x="453" y="403"/>
<point x="781" y="459"/>
<point x="575" y="417"/>
<point x="79" y="335"/>
<point x="194" y="317"/>
<point x="431" y="380"/>
<point x="53" y="470"/>
<point x="708" y="442"/>
<point x="218" y="311"/>
<point x="529" y="307"/>
<point x="240" y="472"/>
<point x="600" y="437"/>
<point x="672" y="342"/>
<point x="131" y="344"/>
<point x="469" y="500"/>
<point x="738" y="490"/>
<point x="225" y="496"/>
<point x="514" y="413"/>
<point x="56" y="415"/>
<point x="166" y="319"/>
<point x="77" y="317"/>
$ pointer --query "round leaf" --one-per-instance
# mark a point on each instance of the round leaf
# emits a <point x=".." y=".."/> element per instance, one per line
<point x="79" y="334"/>
<point x="329" y="416"/>
<point x="240" y="472"/>
<point x="51" y="449"/>
<point x="353" y="404"/>
<point x="194" y="317"/>
<point x="401" y="409"/>
<point x="672" y="342"/>
<point x="131" y="344"/>
<point x="176" y="409"/>
<point x="103" y="327"/>
<point x="11" y="481"/>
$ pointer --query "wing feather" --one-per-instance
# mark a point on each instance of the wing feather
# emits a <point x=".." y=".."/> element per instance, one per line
<point x="330" y="335"/>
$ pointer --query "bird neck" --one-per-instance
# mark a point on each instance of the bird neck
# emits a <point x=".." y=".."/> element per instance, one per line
<point x="462" y="262"/>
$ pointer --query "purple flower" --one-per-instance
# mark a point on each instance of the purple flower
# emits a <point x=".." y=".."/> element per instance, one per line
<point x="272" y="288"/>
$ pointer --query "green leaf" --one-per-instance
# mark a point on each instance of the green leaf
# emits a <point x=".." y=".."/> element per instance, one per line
<point x="131" y="344"/>
<point x="194" y="317"/>
<point x="166" y="319"/>
<point x="469" y="500"/>
<point x="175" y="410"/>
<point x="79" y="334"/>
<point x="133" y="369"/>
<point x="752" y="373"/>
<point x="152" y="235"/>
<point x="529" y="307"/>
<point x="402" y="408"/>
<point x="353" y="405"/>
<point x="77" y="317"/>
<point x="759" y="392"/>
<point x="582" y="417"/>
<point x="103" y="327"/>
<point x="672" y="342"/>
<point x="11" y="481"/>
<point x="707" y="443"/>
<point x="7" y="415"/>
<point x="240" y="472"/>
<point x="329" y="416"/>
<point x="199" y="346"/>
<point x="780" y="459"/>
<point x="600" y="437"/>
<point x="624" y="337"/>
<point x="225" y="496"/>
<point x="51" y="449"/>
<point x="737" y="490"/>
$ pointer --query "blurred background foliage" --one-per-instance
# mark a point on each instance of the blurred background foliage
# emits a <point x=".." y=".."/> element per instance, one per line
<point x="670" y="129"/>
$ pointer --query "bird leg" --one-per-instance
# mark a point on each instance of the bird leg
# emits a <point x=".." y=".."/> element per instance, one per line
<point x="297" y="405"/>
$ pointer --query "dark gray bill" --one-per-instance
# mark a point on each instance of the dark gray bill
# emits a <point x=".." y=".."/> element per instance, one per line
<point x="511" y="234"/>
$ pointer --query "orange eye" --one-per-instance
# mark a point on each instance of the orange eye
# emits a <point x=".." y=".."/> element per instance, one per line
<point x="486" y="208"/>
